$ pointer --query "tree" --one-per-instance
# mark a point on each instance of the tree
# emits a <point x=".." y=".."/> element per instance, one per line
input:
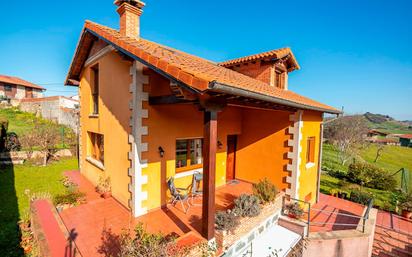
<point x="379" y="152"/>
<point x="346" y="134"/>
<point x="44" y="137"/>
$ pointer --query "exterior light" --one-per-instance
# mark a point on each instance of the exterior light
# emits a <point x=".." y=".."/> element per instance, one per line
<point x="161" y="151"/>
<point x="219" y="145"/>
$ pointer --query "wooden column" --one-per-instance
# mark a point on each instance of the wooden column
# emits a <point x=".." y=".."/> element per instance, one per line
<point x="209" y="173"/>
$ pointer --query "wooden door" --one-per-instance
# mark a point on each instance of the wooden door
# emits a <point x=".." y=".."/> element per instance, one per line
<point x="231" y="157"/>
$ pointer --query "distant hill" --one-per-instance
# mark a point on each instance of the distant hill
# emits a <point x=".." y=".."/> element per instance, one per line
<point x="387" y="124"/>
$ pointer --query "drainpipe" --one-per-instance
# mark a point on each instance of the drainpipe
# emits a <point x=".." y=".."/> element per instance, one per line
<point x="320" y="159"/>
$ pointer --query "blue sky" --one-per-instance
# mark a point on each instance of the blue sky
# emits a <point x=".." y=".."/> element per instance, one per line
<point x="356" y="54"/>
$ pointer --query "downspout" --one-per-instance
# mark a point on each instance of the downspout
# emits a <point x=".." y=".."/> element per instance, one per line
<point x="320" y="159"/>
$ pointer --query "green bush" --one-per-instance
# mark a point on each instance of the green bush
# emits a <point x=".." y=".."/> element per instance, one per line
<point x="294" y="210"/>
<point x="70" y="197"/>
<point x="226" y="220"/>
<point x="361" y="197"/>
<point x="247" y="206"/>
<point x="369" y="175"/>
<point x="141" y="243"/>
<point x="265" y="191"/>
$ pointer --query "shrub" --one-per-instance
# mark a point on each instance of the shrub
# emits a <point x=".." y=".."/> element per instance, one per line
<point x="12" y="142"/>
<point x="369" y="175"/>
<point x="226" y="220"/>
<point x="247" y="206"/>
<point x="265" y="191"/>
<point x="294" y="210"/>
<point x="70" y="197"/>
<point x="141" y="243"/>
<point x="104" y="184"/>
<point x="405" y="202"/>
<point x="361" y="197"/>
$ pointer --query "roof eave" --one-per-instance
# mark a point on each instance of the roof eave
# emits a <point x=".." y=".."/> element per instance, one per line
<point x="223" y="88"/>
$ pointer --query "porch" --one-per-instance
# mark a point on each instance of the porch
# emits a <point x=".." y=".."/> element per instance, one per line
<point x="106" y="217"/>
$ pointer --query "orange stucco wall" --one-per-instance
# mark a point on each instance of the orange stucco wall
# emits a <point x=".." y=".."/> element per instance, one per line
<point x="262" y="146"/>
<point x="112" y="122"/>
<point x="262" y="136"/>
<point x="309" y="172"/>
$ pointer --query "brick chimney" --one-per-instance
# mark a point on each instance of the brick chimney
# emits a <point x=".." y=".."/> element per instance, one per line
<point x="130" y="12"/>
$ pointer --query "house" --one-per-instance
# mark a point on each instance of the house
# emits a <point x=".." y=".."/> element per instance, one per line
<point x="406" y="140"/>
<point x="60" y="109"/>
<point x="149" y="112"/>
<point x="15" y="88"/>
<point x="375" y="134"/>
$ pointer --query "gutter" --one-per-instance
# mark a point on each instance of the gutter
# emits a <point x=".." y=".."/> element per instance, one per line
<point x="223" y="88"/>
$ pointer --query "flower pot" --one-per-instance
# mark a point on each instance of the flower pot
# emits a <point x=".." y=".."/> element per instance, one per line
<point x="292" y="215"/>
<point x="106" y="195"/>
<point x="407" y="214"/>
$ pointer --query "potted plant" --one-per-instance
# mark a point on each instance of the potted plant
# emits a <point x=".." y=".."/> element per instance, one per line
<point x="405" y="203"/>
<point x="294" y="210"/>
<point x="104" y="187"/>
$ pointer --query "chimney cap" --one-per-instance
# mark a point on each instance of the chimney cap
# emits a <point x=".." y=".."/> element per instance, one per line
<point x="135" y="3"/>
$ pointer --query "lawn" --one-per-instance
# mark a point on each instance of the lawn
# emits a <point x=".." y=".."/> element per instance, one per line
<point x="381" y="197"/>
<point x="14" y="203"/>
<point x="19" y="122"/>
<point x="392" y="158"/>
<point x="23" y="122"/>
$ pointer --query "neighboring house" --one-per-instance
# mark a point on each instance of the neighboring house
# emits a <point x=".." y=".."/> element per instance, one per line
<point x="14" y="88"/>
<point x="149" y="112"/>
<point x="375" y="134"/>
<point x="61" y="109"/>
<point x="406" y="140"/>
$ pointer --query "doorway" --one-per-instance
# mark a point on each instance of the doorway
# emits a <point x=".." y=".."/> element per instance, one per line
<point x="231" y="157"/>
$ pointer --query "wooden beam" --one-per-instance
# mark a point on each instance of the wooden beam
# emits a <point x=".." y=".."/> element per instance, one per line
<point x="209" y="173"/>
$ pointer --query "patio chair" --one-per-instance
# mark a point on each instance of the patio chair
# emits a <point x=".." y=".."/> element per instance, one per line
<point x="197" y="178"/>
<point x="177" y="196"/>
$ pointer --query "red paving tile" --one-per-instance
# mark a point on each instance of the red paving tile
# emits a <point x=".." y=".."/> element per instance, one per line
<point x="84" y="185"/>
<point x="52" y="232"/>
<point x="90" y="220"/>
<point x="393" y="235"/>
<point x="331" y="211"/>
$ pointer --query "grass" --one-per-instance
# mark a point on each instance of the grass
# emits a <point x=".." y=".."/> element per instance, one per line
<point x="381" y="197"/>
<point x="19" y="122"/>
<point x="23" y="122"/>
<point x="392" y="158"/>
<point x="14" y="203"/>
<point x="392" y="127"/>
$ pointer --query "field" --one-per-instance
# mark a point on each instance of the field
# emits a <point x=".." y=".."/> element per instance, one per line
<point x="392" y="159"/>
<point x="15" y="181"/>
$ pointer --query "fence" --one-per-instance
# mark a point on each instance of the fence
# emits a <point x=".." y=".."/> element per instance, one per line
<point x="308" y="209"/>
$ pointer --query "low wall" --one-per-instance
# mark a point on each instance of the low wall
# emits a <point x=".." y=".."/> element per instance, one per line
<point x="343" y="243"/>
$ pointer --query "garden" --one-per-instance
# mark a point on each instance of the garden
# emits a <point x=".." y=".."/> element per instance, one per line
<point x="357" y="170"/>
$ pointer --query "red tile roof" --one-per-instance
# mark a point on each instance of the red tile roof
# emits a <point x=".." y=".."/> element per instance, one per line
<point x="277" y="53"/>
<point x="198" y="73"/>
<point x="408" y="136"/>
<point x="19" y="81"/>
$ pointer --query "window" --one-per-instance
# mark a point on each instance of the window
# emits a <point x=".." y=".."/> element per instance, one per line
<point x="95" y="88"/>
<point x="188" y="154"/>
<point x="310" y="154"/>
<point x="7" y="88"/>
<point x="96" y="148"/>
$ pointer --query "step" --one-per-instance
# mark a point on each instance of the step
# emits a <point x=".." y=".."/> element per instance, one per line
<point x="402" y="252"/>
<point x="394" y="234"/>
<point x="394" y="242"/>
<point x="383" y="247"/>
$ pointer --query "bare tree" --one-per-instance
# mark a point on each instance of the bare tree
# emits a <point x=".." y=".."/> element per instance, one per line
<point x="47" y="137"/>
<point x="379" y="152"/>
<point x="347" y="134"/>
<point x="29" y="143"/>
